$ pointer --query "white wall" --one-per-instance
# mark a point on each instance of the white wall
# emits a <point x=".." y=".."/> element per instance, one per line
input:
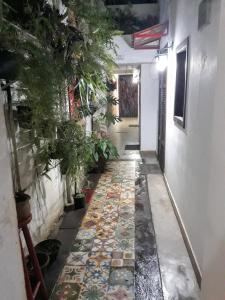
<point x="11" y="270"/>
<point x="128" y="56"/>
<point x="47" y="203"/>
<point x="195" y="157"/>
<point x="149" y="107"/>
<point x="214" y="255"/>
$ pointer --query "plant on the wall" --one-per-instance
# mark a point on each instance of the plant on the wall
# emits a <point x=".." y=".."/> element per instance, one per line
<point x="55" y="49"/>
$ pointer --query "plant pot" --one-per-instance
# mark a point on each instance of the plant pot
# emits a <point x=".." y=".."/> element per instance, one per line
<point x="24" y="116"/>
<point x="9" y="66"/>
<point x="79" y="201"/>
<point x="22" y="206"/>
<point x="50" y="247"/>
<point x="101" y="163"/>
<point x="43" y="260"/>
<point x="88" y="194"/>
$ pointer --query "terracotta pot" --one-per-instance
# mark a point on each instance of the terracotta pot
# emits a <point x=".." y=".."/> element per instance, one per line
<point x="88" y="193"/>
<point x="22" y="206"/>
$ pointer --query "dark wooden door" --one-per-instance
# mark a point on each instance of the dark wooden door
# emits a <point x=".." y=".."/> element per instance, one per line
<point x="162" y="119"/>
<point x="128" y="96"/>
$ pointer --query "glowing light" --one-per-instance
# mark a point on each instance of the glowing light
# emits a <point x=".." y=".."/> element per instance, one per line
<point x="161" y="62"/>
<point x="135" y="76"/>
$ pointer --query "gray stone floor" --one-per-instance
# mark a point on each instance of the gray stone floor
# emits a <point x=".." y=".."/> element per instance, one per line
<point x="178" y="279"/>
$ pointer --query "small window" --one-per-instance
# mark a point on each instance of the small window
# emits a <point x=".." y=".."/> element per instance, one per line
<point x="181" y="83"/>
<point x="204" y="13"/>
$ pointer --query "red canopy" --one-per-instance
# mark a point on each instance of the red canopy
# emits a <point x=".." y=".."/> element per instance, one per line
<point x="149" y="38"/>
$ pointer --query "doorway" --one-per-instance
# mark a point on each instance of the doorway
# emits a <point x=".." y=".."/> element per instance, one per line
<point x="128" y="95"/>
<point x="162" y="119"/>
<point x="125" y="134"/>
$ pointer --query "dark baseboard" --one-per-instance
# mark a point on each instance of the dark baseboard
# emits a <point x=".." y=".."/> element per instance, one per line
<point x="151" y="152"/>
<point x="185" y="236"/>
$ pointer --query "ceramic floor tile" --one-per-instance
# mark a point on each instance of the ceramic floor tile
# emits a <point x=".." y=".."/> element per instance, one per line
<point x="105" y="234"/>
<point x="113" y="195"/>
<point x="103" y="245"/>
<point x="127" y="232"/>
<point x="120" y="293"/>
<point x="66" y="291"/>
<point x="96" y="275"/>
<point x="124" y="245"/>
<point x="129" y="201"/>
<point x="77" y="259"/>
<point x="117" y="255"/>
<point x="117" y="262"/>
<point x="82" y="245"/>
<point x="86" y="234"/>
<point x="99" y="259"/>
<point x="100" y="264"/>
<point x="122" y="276"/>
<point x="90" y="223"/>
<point x="72" y="274"/>
<point x="94" y="292"/>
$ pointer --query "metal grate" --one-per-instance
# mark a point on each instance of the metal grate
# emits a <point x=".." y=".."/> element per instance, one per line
<point x="132" y="147"/>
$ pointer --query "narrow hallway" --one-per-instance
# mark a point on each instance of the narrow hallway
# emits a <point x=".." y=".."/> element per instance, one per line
<point x="118" y="253"/>
<point x="112" y="162"/>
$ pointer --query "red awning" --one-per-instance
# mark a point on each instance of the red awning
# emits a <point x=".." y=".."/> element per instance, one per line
<point x="149" y="38"/>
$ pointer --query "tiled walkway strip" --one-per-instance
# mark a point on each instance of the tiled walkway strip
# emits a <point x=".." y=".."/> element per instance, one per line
<point x="101" y="262"/>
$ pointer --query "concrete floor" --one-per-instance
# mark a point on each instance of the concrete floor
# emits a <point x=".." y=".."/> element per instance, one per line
<point x="123" y="134"/>
<point x="178" y="278"/>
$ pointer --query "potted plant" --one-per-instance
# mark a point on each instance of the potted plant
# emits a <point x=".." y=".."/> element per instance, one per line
<point x="79" y="200"/>
<point x="22" y="205"/>
<point x="103" y="151"/>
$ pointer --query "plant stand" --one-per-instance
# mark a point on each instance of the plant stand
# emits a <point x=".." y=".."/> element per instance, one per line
<point x="40" y="285"/>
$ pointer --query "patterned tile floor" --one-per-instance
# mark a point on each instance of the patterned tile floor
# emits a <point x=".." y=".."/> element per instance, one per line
<point x="101" y="262"/>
